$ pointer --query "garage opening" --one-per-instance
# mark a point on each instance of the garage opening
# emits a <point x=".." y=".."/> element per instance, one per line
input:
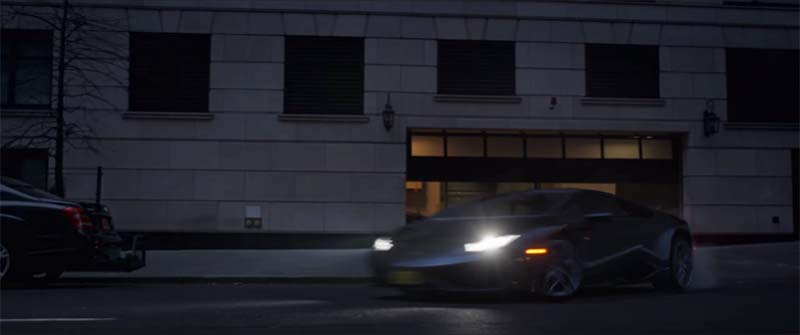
<point x="447" y="167"/>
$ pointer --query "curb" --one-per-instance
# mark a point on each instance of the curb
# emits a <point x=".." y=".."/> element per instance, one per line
<point x="212" y="280"/>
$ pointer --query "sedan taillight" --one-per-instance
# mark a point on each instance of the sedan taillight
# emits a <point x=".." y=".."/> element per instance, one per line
<point x="77" y="218"/>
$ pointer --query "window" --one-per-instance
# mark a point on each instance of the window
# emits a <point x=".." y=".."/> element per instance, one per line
<point x="464" y="146"/>
<point x="545" y="147"/>
<point x="26" y="68"/>
<point x="169" y="72"/>
<point x="476" y="67"/>
<point x="622" y="71"/>
<point x="763" y="85"/>
<point x="28" y="165"/>
<point x="600" y="204"/>
<point x="656" y="149"/>
<point x="516" y="144"/>
<point x="577" y="147"/>
<point x="504" y="146"/>
<point x="427" y="146"/>
<point x="621" y="148"/>
<point x="324" y="75"/>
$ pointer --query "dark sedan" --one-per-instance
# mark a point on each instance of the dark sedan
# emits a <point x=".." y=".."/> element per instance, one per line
<point x="43" y="234"/>
<point x="546" y="242"/>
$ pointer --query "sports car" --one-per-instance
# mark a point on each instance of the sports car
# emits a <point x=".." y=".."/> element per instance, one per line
<point x="545" y="242"/>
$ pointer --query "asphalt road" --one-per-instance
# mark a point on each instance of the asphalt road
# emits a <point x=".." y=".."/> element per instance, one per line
<point x="734" y="295"/>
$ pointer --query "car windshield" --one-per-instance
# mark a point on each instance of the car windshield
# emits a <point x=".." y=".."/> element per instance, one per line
<point x="516" y="204"/>
<point x="28" y="189"/>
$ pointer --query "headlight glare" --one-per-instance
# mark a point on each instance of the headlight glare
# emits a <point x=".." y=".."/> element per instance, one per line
<point x="490" y="243"/>
<point x="382" y="244"/>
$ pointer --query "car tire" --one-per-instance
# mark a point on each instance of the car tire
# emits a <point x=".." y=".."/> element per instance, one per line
<point x="561" y="278"/>
<point x="681" y="262"/>
<point x="5" y="263"/>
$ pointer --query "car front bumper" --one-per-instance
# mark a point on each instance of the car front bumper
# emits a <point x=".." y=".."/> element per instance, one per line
<point x="473" y="273"/>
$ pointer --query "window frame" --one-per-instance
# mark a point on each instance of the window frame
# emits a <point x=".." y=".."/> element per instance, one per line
<point x="11" y="38"/>
<point x="478" y="55"/>
<point x="744" y="102"/>
<point x="593" y="53"/>
<point x="171" y="101"/>
<point x="322" y="107"/>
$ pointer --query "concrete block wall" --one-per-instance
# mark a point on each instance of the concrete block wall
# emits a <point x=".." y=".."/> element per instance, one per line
<point x="199" y="175"/>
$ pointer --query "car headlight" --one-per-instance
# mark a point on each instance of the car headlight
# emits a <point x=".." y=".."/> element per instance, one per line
<point x="382" y="244"/>
<point x="490" y="243"/>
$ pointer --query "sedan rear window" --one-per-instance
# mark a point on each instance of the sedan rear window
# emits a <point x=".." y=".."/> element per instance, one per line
<point x="28" y="189"/>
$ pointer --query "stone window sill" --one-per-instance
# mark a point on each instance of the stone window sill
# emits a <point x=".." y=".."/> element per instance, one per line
<point x="493" y="99"/>
<point x="762" y="125"/>
<point x="168" y="116"/>
<point x="324" y="118"/>
<point x="624" y="102"/>
<point x="27" y="113"/>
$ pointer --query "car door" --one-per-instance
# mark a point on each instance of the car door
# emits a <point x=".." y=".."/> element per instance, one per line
<point x="606" y="243"/>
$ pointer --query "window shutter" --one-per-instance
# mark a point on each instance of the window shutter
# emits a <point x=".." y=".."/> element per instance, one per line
<point x="476" y="67"/>
<point x="763" y="85"/>
<point x="169" y="72"/>
<point x="324" y="75"/>
<point x="622" y="71"/>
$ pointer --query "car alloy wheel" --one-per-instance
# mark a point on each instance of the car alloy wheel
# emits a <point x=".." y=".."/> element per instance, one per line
<point x="558" y="283"/>
<point x="5" y="260"/>
<point x="562" y="277"/>
<point x="682" y="263"/>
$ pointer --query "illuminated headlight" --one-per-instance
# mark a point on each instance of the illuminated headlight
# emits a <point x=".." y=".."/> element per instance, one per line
<point x="490" y="243"/>
<point x="382" y="244"/>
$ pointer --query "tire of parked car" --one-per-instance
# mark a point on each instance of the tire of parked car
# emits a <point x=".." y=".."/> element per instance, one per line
<point x="5" y="262"/>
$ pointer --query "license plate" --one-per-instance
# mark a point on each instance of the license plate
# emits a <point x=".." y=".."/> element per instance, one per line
<point x="405" y="278"/>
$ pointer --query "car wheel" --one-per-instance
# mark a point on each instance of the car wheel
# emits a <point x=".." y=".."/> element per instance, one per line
<point x="681" y="264"/>
<point x="5" y="262"/>
<point x="561" y="278"/>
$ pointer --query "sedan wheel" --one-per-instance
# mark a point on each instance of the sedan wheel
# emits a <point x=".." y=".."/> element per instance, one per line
<point x="5" y="261"/>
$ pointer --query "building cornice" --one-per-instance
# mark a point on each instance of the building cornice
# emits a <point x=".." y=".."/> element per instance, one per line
<point x="468" y="15"/>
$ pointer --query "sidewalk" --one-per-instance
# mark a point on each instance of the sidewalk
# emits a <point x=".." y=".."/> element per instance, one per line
<point x="217" y="264"/>
<point x="712" y="264"/>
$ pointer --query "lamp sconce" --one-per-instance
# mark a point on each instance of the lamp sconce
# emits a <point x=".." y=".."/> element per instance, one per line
<point x="710" y="120"/>
<point x="388" y="113"/>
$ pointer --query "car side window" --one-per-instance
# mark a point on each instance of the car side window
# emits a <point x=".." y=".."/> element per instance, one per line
<point x="634" y="210"/>
<point x="596" y="204"/>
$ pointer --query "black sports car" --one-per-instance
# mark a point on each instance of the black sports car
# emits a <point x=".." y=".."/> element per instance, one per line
<point x="548" y="242"/>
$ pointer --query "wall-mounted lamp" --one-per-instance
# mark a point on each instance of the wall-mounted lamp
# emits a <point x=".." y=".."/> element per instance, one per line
<point x="553" y="102"/>
<point x="710" y="120"/>
<point x="388" y="113"/>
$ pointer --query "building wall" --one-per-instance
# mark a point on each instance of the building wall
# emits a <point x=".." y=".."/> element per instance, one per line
<point x="182" y="174"/>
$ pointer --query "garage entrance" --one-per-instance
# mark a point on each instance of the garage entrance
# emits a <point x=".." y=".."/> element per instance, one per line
<point x="446" y="167"/>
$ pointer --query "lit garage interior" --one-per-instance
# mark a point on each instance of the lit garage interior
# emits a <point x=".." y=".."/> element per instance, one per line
<point x="446" y="167"/>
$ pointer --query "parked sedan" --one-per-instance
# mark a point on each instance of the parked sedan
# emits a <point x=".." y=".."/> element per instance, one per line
<point x="40" y="233"/>
<point x="546" y="242"/>
<point x="43" y="234"/>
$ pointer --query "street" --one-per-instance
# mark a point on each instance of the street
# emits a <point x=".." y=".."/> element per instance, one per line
<point x="742" y="296"/>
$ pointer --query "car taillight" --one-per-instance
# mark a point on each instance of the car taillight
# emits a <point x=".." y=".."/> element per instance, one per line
<point x="77" y="218"/>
